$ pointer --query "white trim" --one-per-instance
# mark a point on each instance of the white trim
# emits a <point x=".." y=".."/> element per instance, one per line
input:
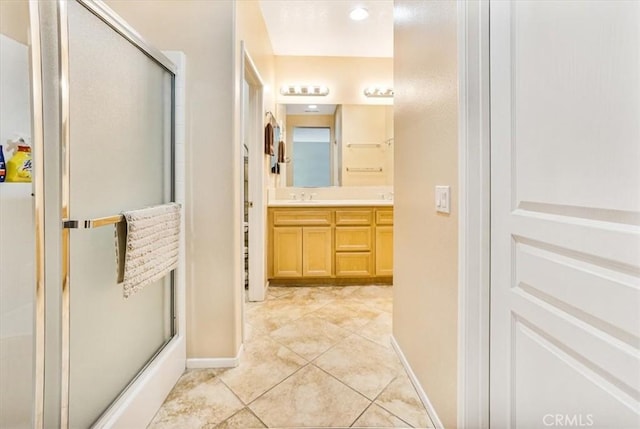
<point x="437" y="423"/>
<point x="474" y="218"/>
<point x="202" y="363"/>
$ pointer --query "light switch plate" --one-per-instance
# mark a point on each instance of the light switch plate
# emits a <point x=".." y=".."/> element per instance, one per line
<point x="443" y="199"/>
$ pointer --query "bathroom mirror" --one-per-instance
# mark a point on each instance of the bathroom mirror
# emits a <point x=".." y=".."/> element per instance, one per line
<point x="337" y="145"/>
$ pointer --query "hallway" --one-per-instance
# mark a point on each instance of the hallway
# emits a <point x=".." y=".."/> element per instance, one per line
<point x="314" y="357"/>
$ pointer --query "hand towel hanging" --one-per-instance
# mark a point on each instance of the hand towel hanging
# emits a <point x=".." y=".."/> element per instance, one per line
<point x="268" y="139"/>
<point x="151" y="242"/>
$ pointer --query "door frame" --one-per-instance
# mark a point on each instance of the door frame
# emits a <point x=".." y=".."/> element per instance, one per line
<point x="474" y="237"/>
<point x="252" y="134"/>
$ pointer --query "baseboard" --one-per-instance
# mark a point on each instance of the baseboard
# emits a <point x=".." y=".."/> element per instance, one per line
<point x="202" y="363"/>
<point x="437" y="423"/>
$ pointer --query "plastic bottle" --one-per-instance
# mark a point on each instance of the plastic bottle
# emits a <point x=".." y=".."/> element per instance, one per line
<point x="19" y="166"/>
<point x="3" y="167"/>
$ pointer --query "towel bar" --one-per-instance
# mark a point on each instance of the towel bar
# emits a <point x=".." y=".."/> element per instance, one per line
<point x="363" y="145"/>
<point x="364" y="169"/>
<point x="92" y="223"/>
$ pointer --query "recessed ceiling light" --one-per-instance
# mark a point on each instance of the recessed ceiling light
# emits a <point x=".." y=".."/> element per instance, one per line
<point x="358" y="14"/>
<point x="312" y="106"/>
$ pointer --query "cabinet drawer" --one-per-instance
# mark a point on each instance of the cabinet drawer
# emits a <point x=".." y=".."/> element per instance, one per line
<point x="353" y="217"/>
<point x="302" y="217"/>
<point x="353" y="238"/>
<point x="353" y="264"/>
<point x="384" y="217"/>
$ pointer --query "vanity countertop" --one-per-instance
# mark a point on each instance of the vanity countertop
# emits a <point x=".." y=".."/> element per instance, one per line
<point x="330" y="203"/>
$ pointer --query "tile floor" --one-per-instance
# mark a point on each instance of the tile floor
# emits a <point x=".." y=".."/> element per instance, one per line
<point x="315" y="356"/>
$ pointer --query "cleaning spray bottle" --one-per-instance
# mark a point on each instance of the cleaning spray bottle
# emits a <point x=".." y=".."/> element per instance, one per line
<point x="3" y="167"/>
<point x="19" y="166"/>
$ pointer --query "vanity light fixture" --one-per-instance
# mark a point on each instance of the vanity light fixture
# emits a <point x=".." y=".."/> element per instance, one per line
<point x="307" y="90"/>
<point x="376" y="91"/>
<point x="359" y="13"/>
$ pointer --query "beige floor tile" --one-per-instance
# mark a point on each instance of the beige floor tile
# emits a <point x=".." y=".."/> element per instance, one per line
<point x="199" y="401"/>
<point x="373" y="292"/>
<point x="252" y="332"/>
<point x="378" y="417"/>
<point x="314" y="293"/>
<point x="309" y="398"/>
<point x="278" y="291"/>
<point x="263" y="364"/>
<point x="243" y="419"/>
<point x="378" y="330"/>
<point x="273" y="314"/>
<point x="350" y="315"/>
<point x="309" y="336"/>
<point x="381" y="304"/>
<point x="401" y="398"/>
<point x="361" y="364"/>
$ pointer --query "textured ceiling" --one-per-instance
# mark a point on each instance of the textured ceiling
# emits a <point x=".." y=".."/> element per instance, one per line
<point x="323" y="28"/>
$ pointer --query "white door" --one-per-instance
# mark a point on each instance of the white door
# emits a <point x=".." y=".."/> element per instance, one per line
<point x="565" y="175"/>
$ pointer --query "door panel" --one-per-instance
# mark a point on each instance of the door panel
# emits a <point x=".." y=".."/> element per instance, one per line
<point x="384" y="250"/>
<point x="120" y="159"/>
<point x="565" y="288"/>
<point x="287" y="251"/>
<point x="317" y="251"/>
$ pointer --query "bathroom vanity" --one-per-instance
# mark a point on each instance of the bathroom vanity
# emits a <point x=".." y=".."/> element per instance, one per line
<point x="330" y="242"/>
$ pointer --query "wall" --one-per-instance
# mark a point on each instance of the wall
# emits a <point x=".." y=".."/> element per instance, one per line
<point x="425" y="272"/>
<point x="204" y="31"/>
<point x="14" y="20"/>
<point x="346" y="78"/>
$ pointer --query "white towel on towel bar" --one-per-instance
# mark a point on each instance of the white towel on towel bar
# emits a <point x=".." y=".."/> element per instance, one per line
<point x="151" y="245"/>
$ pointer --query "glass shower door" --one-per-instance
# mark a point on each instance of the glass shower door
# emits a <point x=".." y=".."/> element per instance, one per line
<point x="119" y="157"/>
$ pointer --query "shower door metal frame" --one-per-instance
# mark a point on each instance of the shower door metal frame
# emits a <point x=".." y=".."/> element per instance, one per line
<point x="101" y="11"/>
<point x="37" y="127"/>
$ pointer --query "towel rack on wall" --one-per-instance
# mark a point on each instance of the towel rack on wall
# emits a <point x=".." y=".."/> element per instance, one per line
<point x="93" y="223"/>
<point x="272" y="118"/>
<point x="364" y="169"/>
<point x="363" y="145"/>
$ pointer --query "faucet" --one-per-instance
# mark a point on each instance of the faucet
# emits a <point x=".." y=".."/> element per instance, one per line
<point x="302" y="196"/>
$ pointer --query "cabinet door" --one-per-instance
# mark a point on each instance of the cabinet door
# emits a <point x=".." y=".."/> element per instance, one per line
<point x="287" y="251"/>
<point x="317" y="250"/>
<point x="384" y="251"/>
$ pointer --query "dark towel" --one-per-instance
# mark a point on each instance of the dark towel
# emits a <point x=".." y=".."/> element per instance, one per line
<point x="280" y="151"/>
<point x="268" y="139"/>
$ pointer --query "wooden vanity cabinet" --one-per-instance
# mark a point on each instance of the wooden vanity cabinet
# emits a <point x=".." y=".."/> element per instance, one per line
<point x="300" y="243"/>
<point x="347" y="244"/>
